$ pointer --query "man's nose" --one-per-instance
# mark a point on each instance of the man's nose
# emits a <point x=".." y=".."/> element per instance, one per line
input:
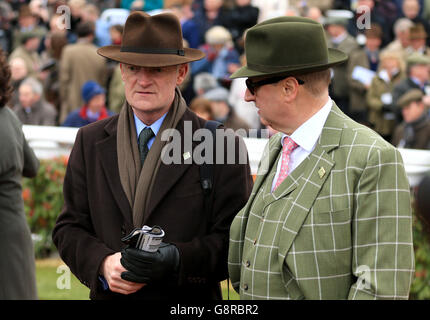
<point x="143" y="77"/>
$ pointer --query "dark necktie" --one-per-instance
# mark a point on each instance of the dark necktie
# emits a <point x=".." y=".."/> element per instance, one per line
<point x="144" y="136"/>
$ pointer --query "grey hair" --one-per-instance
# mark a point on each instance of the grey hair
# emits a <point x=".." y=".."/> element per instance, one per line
<point x="401" y="25"/>
<point x="204" y="81"/>
<point x="35" y="85"/>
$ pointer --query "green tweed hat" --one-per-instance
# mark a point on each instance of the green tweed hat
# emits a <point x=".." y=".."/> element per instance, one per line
<point x="410" y="96"/>
<point x="287" y="45"/>
<point x="417" y="58"/>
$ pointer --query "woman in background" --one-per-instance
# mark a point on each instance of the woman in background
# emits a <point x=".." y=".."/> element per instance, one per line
<point x="17" y="159"/>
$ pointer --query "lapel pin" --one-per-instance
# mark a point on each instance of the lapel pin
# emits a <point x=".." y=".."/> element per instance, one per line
<point x="186" y="155"/>
<point x="321" y="172"/>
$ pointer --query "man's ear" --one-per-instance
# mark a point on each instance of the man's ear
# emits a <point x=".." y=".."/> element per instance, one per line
<point x="290" y="88"/>
<point x="182" y="73"/>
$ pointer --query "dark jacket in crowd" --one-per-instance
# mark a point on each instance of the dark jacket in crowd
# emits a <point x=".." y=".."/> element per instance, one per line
<point x="415" y="135"/>
<point x="41" y="113"/>
<point x="399" y="90"/>
<point x="17" y="159"/>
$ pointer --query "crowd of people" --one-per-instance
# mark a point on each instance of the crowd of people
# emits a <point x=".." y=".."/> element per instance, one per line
<point x="52" y="50"/>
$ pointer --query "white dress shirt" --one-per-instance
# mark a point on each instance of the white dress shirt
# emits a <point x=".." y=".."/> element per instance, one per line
<point x="306" y="136"/>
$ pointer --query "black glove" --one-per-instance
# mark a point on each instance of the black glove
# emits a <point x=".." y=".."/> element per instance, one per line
<point x="150" y="267"/>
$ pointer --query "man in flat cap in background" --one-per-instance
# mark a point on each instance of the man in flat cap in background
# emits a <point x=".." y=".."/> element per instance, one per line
<point x="329" y="216"/>
<point x="414" y="131"/>
<point x="117" y="180"/>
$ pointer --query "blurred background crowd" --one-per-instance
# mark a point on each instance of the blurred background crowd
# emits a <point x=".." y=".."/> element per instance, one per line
<point x="59" y="79"/>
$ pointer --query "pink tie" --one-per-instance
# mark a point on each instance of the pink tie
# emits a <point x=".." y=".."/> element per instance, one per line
<point x="287" y="148"/>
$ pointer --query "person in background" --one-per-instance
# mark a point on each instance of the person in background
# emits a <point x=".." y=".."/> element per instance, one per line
<point x="222" y="111"/>
<point x="402" y="41"/>
<point x="27" y="23"/>
<point x="243" y="16"/>
<point x="28" y="52"/>
<point x="411" y="10"/>
<point x="418" y="75"/>
<point x="418" y="40"/>
<point x="182" y="9"/>
<point x="379" y="98"/>
<point x="367" y="58"/>
<point x="17" y="160"/>
<point x="115" y="32"/>
<point x="221" y="59"/>
<point x="414" y="132"/>
<point x="94" y="109"/>
<point x="339" y="38"/>
<point x="203" y="82"/>
<point x="79" y="63"/>
<point x="32" y="107"/>
<point x="19" y="72"/>
<point x="211" y="14"/>
<point x="244" y="109"/>
<point x="202" y="107"/>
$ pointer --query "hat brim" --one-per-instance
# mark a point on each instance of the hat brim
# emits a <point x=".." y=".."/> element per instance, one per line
<point x="335" y="57"/>
<point x="113" y="52"/>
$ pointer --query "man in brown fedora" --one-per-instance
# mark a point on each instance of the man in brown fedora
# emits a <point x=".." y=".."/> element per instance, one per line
<point x="418" y="40"/>
<point x="329" y="216"/>
<point x="117" y="180"/>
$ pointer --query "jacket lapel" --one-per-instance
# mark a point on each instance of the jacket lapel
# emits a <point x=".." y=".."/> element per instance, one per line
<point x="107" y="152"/>
<point x="169" y="174"/>
<point x="306" y="181"/>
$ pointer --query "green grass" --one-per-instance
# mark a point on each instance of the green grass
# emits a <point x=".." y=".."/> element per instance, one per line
<point x="51" y="276"/>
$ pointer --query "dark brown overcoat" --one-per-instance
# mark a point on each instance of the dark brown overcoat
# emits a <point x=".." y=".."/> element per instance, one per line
<point x="97" y="214"/>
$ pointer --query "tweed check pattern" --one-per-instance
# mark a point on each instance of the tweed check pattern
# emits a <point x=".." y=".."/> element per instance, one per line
<point x="144" y="136"/>
<point x="344" y="234"/>
<point x="287" y="148"/>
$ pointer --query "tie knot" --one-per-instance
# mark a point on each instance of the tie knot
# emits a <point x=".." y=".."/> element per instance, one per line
<point x="289" y="145"/>
<point x="145" y="135"/>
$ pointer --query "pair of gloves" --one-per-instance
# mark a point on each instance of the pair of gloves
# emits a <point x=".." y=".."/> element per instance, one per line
<point x="150" y="267"/>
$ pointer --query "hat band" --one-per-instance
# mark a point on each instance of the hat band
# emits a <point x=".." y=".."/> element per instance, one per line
<point x="178" y="52"/>
<point x="266" y="68"/>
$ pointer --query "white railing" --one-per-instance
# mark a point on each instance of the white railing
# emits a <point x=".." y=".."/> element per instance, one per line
<point x="49" y="142"/>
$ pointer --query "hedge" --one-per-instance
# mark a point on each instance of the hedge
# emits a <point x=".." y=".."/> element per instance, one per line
<point x="43" y="200"/>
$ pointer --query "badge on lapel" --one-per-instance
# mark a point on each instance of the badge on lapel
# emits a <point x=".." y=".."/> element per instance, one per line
<point x="321" y="172"/>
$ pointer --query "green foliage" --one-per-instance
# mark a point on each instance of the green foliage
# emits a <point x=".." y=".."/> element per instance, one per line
<point x="420" y="288"/>
<point x="43" y="201"/>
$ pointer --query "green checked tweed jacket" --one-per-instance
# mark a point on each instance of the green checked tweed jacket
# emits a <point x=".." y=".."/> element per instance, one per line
<point x="338" y="227"/>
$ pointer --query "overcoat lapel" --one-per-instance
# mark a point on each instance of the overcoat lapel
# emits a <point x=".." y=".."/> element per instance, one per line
<point x="107" y="151"/>
<point x="169" y="174"/>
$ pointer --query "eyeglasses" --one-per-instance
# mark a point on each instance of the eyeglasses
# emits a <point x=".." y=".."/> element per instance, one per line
<point x="252" y="85"/>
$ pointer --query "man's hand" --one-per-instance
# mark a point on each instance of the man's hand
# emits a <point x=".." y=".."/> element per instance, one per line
<point x="112" y="269"/>
<point x="150" y="267"/>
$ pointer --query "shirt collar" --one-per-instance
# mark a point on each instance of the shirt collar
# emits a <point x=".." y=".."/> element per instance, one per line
<point x="155" y="127"/>
<point x="306" y="136"/>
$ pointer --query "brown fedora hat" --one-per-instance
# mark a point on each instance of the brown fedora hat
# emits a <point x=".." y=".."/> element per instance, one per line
<point x="151" y="41"/>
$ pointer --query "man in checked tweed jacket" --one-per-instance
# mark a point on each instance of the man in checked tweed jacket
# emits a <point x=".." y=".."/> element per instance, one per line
<point x="339" y="225"/>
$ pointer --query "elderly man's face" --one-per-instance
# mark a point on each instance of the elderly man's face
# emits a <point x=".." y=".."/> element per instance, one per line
<point x="27" y="97"/>
<point x="150" y="91"/>
<point x="271" y="108"/>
